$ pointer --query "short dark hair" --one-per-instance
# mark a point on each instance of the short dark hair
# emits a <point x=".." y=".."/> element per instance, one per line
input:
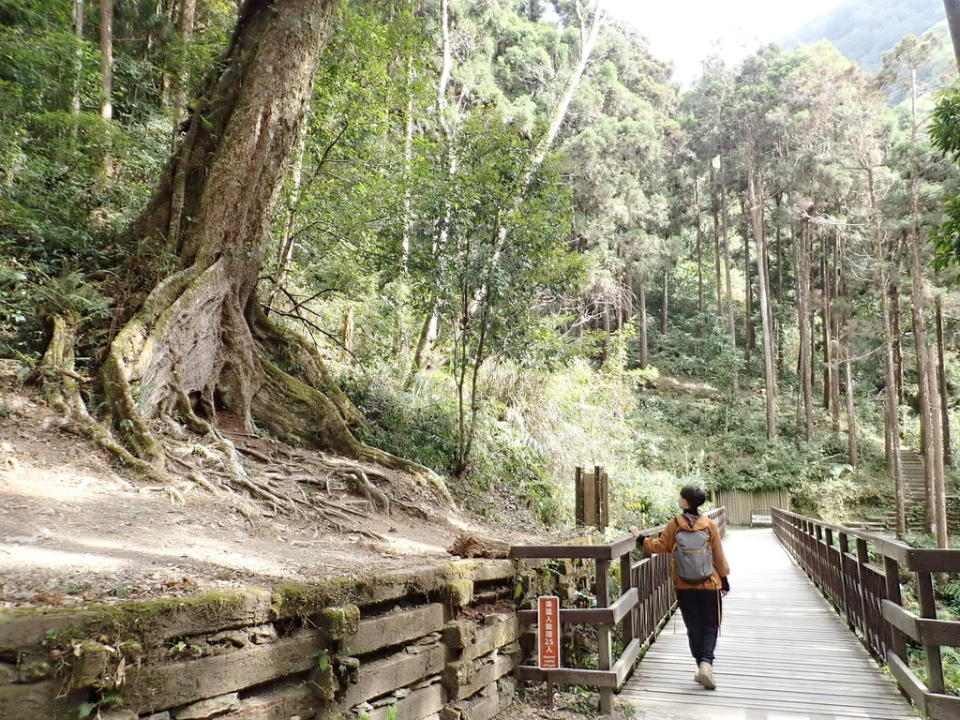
<point x="694" y="496"/>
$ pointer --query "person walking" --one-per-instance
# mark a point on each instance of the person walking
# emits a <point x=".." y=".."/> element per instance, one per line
<point x="699" y="569"/>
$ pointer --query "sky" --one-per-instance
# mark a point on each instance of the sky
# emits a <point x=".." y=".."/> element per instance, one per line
<point x="686" y="31"/>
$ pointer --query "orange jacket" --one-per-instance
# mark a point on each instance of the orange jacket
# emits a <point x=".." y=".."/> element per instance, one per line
<point x="666" y="544"/>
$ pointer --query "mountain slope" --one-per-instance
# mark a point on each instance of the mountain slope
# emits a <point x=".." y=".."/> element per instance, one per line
<point x="865" y="29"/>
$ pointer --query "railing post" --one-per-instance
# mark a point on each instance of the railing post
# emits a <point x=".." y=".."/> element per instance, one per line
<point x="831" y="575"/>
<point x="863" y="557"/>
<point x="928" y="609"/>
<point x="819" y="573"/>
<point x="626" y="582"/>
<point x="845" y="581"/>
<point x="605" y="646"/>
<point x="891" y="571"/>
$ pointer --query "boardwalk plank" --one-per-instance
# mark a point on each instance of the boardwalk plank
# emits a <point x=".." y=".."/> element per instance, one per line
<point x="783" y="654"/>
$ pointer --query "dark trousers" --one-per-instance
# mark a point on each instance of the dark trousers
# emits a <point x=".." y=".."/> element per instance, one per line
<point x="701" y="614"/>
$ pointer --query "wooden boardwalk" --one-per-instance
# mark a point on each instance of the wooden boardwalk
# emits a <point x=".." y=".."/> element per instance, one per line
<point x="783" y="653"/>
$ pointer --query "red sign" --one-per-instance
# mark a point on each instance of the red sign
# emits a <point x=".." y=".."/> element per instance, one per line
<point x="548" y="632"/>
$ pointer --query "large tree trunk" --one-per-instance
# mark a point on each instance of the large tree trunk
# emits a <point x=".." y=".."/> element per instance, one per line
<point x="201" y="335"/>
<point x="769" y="369"/>
<point x="952" y="8"/>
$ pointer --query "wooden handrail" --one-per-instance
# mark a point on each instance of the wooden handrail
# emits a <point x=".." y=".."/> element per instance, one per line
<point x="646" y="602"/>
<point x="870" y="598"/>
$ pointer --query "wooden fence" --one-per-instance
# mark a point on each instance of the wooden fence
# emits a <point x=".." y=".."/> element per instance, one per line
<point x="647" y="600"/>
<point x="839" y="561"/>
<point x="740" y="505"/>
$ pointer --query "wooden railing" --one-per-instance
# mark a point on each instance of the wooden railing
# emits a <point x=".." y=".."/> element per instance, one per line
<point x="647" y="600"/>
<point x="839" y="560"/>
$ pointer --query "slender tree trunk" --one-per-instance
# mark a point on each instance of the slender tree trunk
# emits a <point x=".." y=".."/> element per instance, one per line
<point x="942" y="378"/>
<point x="778" y="241"/>
<point x="186" y="21"/>
<point x="926" y="366"/>
<point x="829" y="361"/>
<point x="769" y="370"/>
<point x="605" y="353"/>
<point x="106" y="75"/>
<point x="895" y="311"/>
<point x="929" y="405"/>
<point x="644" y="347"/>
<point x="891" y="403"/>
<point x="802" y="262"/>
<point x="724" y="231"/>
<point x="78" y="8"/>
<point x="106" y="59"/>
<point x="836" y="291"/>
<point x="952" y="8"/>
<point x="407" y="170"/>
<point x="852" y="450"/>
<point x="696" y="202"/>
<point x="749" y="334"/>
<point x="715" y="208"/>
<point x="665" y="307"/>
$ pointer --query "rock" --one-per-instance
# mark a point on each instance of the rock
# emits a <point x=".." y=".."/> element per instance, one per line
<point x="362" y="707"/>
<point x="90" y="666"/>
<point x="35" y="671"/>
<point x="384" y="701"/>
<point x="158" y="716"/>
<point x="460" y="592"/>
<point x="208" y="708"/>
<point x="263" y="635"/>
<point x="8" y="673"/>
<point x="323" y="683"/>
<point x="237" y="638"/>
<point x="339" y="622"/>
<point x="118" y="715"/>
<point x="402" y="692"/>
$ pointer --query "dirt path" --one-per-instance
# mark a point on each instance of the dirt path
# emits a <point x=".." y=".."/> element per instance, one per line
<point x="72" y="529"/>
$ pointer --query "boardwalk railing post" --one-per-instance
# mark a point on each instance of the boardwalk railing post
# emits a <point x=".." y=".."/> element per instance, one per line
<point x="626" y="582"/>
<point x="891" y="571"/>
<point x="848" y="607"/>
<point x="604" y="641"/>
<point x="928" y="609"/>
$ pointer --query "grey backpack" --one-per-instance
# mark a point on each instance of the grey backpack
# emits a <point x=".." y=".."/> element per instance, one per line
<point x="693" y="557"/>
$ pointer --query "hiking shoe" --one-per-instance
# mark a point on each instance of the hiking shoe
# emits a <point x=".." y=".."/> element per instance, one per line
<point x="705" y="676"/>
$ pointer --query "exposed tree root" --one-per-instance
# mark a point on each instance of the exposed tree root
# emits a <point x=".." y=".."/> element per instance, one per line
<point x="184" y="444"/>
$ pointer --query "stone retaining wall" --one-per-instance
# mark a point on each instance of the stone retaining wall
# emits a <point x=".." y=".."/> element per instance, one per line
<point x="427" y="644"/>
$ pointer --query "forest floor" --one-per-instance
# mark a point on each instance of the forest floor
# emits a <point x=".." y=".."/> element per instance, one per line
<point x="74" y="528"/>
